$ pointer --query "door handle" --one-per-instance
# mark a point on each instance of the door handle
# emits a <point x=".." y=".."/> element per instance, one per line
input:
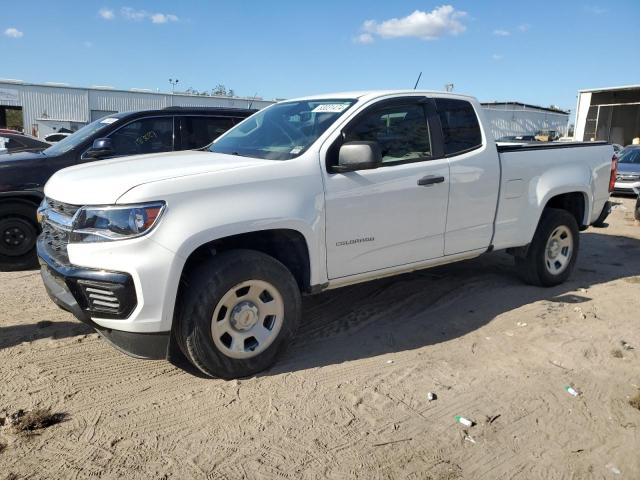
<point x="430" y="180"/>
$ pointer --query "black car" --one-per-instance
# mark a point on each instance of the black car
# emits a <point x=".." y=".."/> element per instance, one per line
<point x="16" y="142"/>
<point x="23" y="175"/>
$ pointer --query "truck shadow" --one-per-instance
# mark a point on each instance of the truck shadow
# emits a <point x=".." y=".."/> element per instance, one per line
<point x="436" y="305"/>
<point x="16" y="334"/>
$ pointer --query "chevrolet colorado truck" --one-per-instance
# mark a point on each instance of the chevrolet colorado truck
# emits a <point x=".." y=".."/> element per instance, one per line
<point x="205" y="254"/>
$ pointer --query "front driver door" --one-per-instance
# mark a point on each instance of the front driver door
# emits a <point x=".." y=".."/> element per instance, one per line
<point x="396" y="214"/>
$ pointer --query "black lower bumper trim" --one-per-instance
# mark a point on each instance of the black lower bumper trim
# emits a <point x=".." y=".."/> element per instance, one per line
<point x="152" y="346"/>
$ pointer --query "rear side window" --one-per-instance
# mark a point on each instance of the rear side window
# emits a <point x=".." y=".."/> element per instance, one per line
<point x="460" y="127"/>
<point x="198" y="132"/>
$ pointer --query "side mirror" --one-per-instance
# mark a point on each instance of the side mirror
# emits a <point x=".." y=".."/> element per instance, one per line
<point x="358" y="156"/>
<point x="102" y="147"/>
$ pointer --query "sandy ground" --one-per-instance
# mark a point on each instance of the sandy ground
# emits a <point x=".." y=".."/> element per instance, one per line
<point x="349" y="398"/>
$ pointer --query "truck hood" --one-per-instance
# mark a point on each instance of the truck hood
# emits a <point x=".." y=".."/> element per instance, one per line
<point x="17" y="157"/>
<point x="629" y="168"/>
<point x="104" y="181"/>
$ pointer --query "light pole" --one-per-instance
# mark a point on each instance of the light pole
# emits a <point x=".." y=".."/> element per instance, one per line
<point x="173" y="84"/>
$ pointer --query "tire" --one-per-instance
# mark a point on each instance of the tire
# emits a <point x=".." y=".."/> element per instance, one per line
<point x="227" y="326"/>
<point x="553" y="250"/>
<point x="637" y="211"/>
<point x="18" y="234"/>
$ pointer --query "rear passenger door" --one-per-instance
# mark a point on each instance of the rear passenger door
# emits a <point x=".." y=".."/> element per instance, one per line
<point x="195" y="132"/>
<point x="475" y="176"/>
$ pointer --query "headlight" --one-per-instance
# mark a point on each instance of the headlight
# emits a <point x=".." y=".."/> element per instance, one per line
<point x="103" y="224"/>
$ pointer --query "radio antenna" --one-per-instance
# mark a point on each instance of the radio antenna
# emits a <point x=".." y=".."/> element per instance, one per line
<point x="417" y="81"/>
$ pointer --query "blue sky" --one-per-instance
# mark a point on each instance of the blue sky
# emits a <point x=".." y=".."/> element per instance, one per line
<point x="536" y="52"/>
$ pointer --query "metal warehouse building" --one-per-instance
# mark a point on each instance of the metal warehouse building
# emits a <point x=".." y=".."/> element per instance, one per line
<point x="611" y="114"/>
<point x="46" y="108"/>
<point x="515" y="118"/>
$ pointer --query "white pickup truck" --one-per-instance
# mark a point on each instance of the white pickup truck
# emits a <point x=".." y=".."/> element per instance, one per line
<point x="206" y="253"/>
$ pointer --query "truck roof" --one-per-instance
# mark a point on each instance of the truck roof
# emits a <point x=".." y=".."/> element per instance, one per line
<point x="371" y="94"/>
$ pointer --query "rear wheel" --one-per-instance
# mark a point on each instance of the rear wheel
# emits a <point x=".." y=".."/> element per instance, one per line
<point x="553" y="251"/>
<point x="637" y="212"/>
<point x="237" y="312"/>
<point x="18" y="234"/>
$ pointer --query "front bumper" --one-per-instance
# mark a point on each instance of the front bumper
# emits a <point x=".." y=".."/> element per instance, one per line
<point x="626" y="187"/>
<point x="73" y="289"/>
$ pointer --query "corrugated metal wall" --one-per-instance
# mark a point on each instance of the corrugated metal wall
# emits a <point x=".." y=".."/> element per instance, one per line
<point x="523" y="122"/>
<point x="44" y="104"/>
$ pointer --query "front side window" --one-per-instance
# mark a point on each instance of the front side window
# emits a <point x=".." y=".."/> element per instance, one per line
<point x="460" y="127"/>
<point x="148" y="135"/>
<point x="198" y="132"/>
<point x="401" y="131"/>
<point x="282" y="131"/>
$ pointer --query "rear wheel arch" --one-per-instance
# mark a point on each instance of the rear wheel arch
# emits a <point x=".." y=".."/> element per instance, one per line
<point x="576" y="203"/>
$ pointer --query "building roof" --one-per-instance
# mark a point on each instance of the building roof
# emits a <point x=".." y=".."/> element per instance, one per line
<point x="6" y="82"/>
<point x="526" y="105"/>
<point x="611" y="89"/>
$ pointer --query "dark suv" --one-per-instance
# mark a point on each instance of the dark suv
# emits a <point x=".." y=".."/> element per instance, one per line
<point x="23" y="175"/>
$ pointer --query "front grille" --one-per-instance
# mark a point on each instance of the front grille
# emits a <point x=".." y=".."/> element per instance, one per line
<point x="627" y="178"/>
<point x="65" y="209"/>
<point x="55" y="236"/>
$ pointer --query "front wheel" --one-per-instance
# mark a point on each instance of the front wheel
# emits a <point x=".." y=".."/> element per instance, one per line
<point x="553" y="250"/>
<point x="18" y="234"/>
<point x="237" y="312"/>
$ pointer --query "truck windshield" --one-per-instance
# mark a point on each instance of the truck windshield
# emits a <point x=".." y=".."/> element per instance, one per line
<point x="282" y="131"/>
<point x="70" y="142"/>
<point x="630" y="155"/>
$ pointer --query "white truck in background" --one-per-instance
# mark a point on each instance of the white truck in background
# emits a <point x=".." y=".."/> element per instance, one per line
<point x="206" y="253"/>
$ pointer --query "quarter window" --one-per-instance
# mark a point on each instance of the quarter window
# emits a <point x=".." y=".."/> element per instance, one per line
<point x="460" y="127"/>
<point x="400" y="130"/>
<point x="148" y="135"/>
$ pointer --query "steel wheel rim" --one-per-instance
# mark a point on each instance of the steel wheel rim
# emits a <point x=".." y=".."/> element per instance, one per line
<point x="16" y="237"/>
<point x="559" y="250"/>
<point x="247" y="319"/>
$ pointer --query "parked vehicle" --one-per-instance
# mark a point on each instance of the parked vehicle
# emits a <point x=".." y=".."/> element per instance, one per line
<point x="628" y="177"/>
<point x="547" y="135"/>
<point x="517" y="138"/>
<point x="16" y="142"/>
<point x="24" y="174"/>
<point x="56" y="137"/>
<point x="617" y="148"/>
<point x="207" y="253"/>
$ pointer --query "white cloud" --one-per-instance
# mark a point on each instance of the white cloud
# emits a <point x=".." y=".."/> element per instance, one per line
<point x="133" y="14"/>
<point x="138" y="15"/>
<point x="106" y="14"/>
<point x="594" y="9"/>
<point x="502" y="33"/>
<point x="364" y="38"/>
<point x="443" y="20"/>
<point x="13" y="33"/>
<point x="524" y="27"/>
<point x="497" y="57"/>
<point x="163" y="18"/>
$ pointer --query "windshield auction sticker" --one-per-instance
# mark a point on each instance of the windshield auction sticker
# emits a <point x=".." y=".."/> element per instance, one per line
<point x="331" y="108"/>
<point x="109" y="121"/>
